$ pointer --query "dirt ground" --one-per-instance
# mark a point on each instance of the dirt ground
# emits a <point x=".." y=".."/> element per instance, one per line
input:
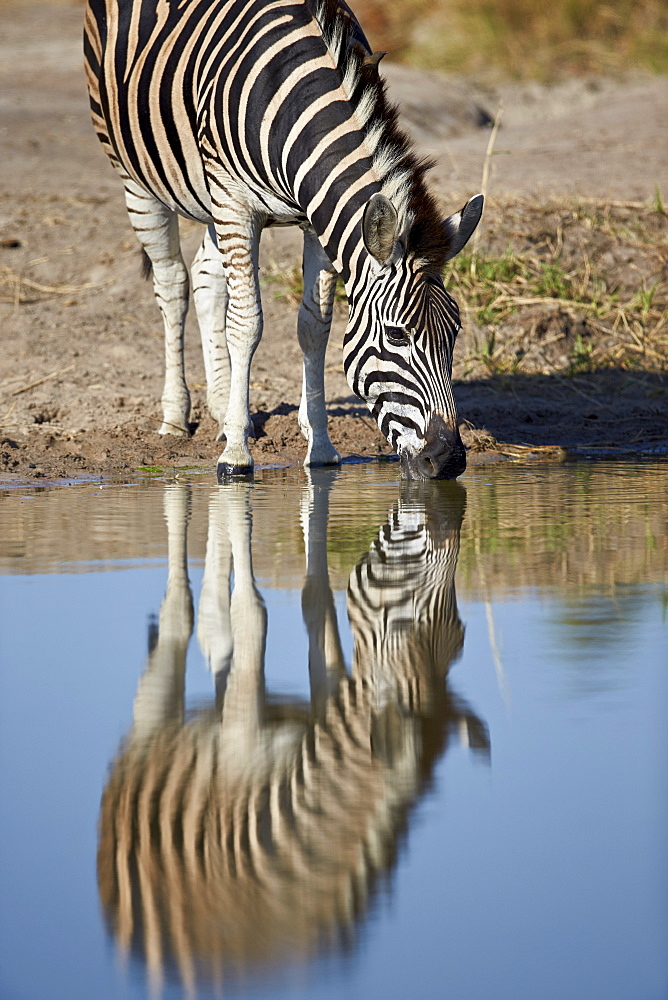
<point x="81" y="348"/>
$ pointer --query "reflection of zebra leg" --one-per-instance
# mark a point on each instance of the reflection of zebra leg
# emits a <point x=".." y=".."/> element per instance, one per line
<point x="160" y="692"/>
<point x="325" y="656"/>
<point x="214" y="629"/>
<point x="244" y="695"/>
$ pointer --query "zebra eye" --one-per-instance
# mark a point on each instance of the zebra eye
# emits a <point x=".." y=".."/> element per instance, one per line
<point x="396" y="336"/>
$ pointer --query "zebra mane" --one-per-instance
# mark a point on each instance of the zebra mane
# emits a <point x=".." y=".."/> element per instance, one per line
<point x="394" y="157"/>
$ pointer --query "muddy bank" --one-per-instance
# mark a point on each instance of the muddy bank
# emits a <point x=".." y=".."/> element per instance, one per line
<point x="81" y="357"/>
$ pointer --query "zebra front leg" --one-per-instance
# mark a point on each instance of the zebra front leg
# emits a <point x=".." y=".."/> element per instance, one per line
<point x="313" y="325"/>
<point x="238" y="232"/>
<point x="210" y="295"/>
<point x="157" y="230"/>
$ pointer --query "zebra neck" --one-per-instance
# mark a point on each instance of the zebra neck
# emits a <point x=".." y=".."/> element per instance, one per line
<point x="331" y="176"/>
<point x="337" y="223"/>
<point x="338" y="226"/>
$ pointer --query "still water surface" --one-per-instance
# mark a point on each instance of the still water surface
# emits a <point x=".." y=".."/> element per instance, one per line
<point x="334" y="736"/>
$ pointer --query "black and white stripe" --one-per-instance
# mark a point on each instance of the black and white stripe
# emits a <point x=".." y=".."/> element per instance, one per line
<point x="252" y="832"/>
<point x="247" y="113"/>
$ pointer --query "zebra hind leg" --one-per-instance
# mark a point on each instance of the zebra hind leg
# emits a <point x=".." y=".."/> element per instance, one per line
<point x="157" y="230"/>
<point x="313" y="325"/>
<point x="210" y="296"/>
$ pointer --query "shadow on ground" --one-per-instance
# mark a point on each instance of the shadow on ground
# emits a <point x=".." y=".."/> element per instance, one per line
<point x="611" y="409"/>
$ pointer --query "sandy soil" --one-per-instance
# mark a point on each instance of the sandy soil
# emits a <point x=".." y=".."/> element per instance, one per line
<point x="81" y="355"/>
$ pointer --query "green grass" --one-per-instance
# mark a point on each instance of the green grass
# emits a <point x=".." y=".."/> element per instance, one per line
<point x="581" y="357"/>
<point x="288" y="284"/>
<point x="494" y="285"/>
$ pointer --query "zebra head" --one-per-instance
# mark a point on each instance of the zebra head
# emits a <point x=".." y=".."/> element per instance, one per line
<point x="400" y="339"/>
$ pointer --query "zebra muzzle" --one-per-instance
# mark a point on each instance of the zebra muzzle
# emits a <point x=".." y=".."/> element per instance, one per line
<point x="442" y="457"/>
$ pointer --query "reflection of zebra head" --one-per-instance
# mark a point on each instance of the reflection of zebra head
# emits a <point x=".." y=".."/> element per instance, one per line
<point x="403" y="613"/>
<point x="254" y="832"/>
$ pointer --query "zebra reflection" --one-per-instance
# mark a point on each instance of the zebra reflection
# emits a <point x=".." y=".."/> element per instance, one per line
<point x="253" y="832"/>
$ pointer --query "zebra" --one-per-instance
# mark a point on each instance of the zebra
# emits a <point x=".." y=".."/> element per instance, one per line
<point x="243" y="114"/>
<point x="253" y="831"/>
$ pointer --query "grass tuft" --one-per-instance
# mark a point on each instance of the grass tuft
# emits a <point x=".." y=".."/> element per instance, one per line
<point x="569" y="287"/>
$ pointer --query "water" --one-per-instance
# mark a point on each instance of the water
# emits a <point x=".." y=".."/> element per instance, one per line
<point x="438" y="762"/>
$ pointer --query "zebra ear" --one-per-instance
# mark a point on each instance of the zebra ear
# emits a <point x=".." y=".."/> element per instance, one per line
<point x="373" y="59"/>
<point x="460" y="226"/>
<point x="380" y="225"/>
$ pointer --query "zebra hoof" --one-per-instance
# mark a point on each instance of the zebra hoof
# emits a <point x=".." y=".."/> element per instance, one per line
<point x="226" y="472"/>
<point x="322" y="456"/>
<point x="332" y="462"/>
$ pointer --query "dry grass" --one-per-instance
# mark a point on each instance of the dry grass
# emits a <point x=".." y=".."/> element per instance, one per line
<point x="521" y="39"/>
<point x="566" y="287"/>
<point x="18" y="289"/>
<point x="288" y="284"/>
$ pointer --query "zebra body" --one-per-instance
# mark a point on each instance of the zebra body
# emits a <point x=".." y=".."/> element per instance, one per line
<point x="243" y="114"/>
<point x="253" y="832"/>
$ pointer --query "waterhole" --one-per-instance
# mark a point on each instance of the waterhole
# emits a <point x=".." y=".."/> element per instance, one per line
<point x="333" y="735"/>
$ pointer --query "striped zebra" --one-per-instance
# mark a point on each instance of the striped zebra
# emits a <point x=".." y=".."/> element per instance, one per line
<point x="243" y="114"/>
<point x="254" y="832"/>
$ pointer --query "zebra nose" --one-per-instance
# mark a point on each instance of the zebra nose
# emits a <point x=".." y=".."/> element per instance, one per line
<point x="443" y="455"/>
